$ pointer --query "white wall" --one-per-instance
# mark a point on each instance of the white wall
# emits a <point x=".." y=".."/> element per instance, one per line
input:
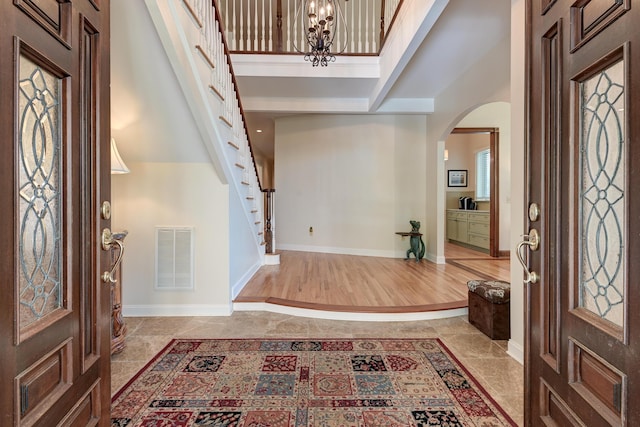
<point x="173" y="194"/>
<point x="498" y="115"/>
<point x="410" y="176"/>
<point x="173" y="181"/>
<point x="462" y="148"/>
<point x="355" y="179"/>
<point x="486" y="81"/>
<point x="244" y="259"/>
<point x="150" y="117"/>
<point x="517" y="176"/>
<point x="499" y="77"/>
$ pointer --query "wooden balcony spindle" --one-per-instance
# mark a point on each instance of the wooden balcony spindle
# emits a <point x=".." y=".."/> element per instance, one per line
<point x="279" y="26"/>
<point x="381" y="24"/>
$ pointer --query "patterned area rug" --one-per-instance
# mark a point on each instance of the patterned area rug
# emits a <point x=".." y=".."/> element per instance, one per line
<point x="281" y="383"/>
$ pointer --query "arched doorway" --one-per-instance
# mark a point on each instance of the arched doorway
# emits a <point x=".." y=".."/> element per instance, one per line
<point x="493" y="120"/>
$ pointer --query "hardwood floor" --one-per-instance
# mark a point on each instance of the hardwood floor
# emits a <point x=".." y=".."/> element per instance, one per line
<point x="453" y="251"/>
<point x="481" y="264"/>
<point x="347" y="283"/>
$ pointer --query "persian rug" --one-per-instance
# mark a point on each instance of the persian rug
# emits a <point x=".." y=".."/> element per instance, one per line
<point x="288" y="382"/>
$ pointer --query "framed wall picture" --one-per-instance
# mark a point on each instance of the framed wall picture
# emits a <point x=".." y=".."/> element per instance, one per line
<point x="457" y="178"/>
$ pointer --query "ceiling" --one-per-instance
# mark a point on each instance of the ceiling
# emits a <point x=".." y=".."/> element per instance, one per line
<point x="462" y="32"/>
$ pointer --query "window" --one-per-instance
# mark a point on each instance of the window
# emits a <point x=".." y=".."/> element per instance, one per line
<point x="483" y="178"/>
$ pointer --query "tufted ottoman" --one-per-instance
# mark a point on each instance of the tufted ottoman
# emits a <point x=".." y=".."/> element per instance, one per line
<point x="489" y="307"/>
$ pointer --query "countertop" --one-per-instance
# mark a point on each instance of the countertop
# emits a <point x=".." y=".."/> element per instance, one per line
<point x="468" y="210"/>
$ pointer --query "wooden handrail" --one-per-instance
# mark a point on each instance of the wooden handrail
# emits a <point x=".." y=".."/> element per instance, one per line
<point x="383" y="36"/>
<point x="214" y="4"/>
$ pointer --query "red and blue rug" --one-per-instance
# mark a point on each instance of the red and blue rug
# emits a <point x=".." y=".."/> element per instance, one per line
<point x="288" y="382"/>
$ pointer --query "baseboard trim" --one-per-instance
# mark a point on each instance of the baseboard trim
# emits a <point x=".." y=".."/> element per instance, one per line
<point x="242" y="282"/>
<point x="516" y="351"/>
<point x="504" y="254"/>
<point x="171" y="310"/>
<point x="339" y="251"/>
<point x="435" y="259"/>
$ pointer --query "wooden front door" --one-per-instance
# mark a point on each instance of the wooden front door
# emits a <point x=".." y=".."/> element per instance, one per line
<point x="54" y="169"/>
<point x="583" y="321"/>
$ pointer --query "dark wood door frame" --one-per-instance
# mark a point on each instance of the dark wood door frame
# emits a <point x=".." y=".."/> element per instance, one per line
<point x="54" y="164"/>
<point x="582" y="346"/>
<point x="494" y="202"/>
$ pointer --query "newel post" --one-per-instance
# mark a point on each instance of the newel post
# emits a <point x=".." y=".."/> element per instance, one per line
<point x="269" y="229"/>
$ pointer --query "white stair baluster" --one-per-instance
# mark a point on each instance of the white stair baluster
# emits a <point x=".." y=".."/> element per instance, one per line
<point x="228" y="26"/>
<point x="270" y="24"/>
<point x="291" y="25"/>
<point x="337" y="43"/>
<point x="360" y="27"/>
<point x="242" y="28"/>
<point x="263" y="31"/>
<point x="254" y="26"/>
<point x="366" y="34"/>
<point x="352" y="29"/>
<point x="236" y="32"/>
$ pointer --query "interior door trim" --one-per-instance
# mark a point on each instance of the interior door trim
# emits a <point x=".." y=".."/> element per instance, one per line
<point x="494" y="202"/>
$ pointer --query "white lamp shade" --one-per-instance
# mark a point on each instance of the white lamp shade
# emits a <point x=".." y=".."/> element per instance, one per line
<point x="117" y="164"/>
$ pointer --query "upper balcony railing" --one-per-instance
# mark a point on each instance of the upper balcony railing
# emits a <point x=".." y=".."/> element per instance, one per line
<point x="269" y="26"/>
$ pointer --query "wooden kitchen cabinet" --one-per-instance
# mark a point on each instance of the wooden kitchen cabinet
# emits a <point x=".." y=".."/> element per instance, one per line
<point x="468" y="227"/>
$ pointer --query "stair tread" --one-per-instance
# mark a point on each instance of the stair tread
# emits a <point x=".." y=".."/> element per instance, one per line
<point x="226" y="121"/>
<point x="216" y="92"/>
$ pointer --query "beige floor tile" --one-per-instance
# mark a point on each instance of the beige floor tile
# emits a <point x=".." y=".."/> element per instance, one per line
<point x="487" y="360"/>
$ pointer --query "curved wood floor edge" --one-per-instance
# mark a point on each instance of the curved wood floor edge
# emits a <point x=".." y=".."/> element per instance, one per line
<point x="331" y="284"/>
<point x="453" y="305"/>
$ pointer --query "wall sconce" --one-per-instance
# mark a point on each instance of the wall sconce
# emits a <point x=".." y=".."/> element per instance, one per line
<point x="117" y="164"/>
<point x="446" y="154"/>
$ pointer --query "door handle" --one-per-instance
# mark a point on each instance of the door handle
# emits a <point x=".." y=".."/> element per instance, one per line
<point x="108" y="240"/>
<point x="532" y="240"/>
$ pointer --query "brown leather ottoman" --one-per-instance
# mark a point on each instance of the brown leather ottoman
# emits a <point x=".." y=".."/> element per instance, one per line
<point x="489" y="307"/>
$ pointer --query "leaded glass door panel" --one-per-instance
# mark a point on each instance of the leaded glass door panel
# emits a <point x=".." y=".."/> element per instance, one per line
<point x="583" y="322"/>
<point x="54" y="82"/>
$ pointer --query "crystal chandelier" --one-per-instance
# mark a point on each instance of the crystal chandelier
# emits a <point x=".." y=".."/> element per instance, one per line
<point x="321" y="20"/>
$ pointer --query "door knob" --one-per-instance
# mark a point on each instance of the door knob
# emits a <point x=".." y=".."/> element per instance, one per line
<point x="532" y="240"/>
<point x="108" y="240"/>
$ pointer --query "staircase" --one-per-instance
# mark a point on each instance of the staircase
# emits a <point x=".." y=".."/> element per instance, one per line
<point x="191" y="35"/>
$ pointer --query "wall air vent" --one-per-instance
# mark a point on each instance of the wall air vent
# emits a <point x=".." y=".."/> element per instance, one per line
<point x="174" y="258"/>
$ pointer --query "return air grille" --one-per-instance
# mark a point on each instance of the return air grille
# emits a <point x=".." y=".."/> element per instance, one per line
<point x="174" y="258"/>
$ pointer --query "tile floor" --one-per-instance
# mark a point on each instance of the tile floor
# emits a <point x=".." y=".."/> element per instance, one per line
<point x="487" y="360"/>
